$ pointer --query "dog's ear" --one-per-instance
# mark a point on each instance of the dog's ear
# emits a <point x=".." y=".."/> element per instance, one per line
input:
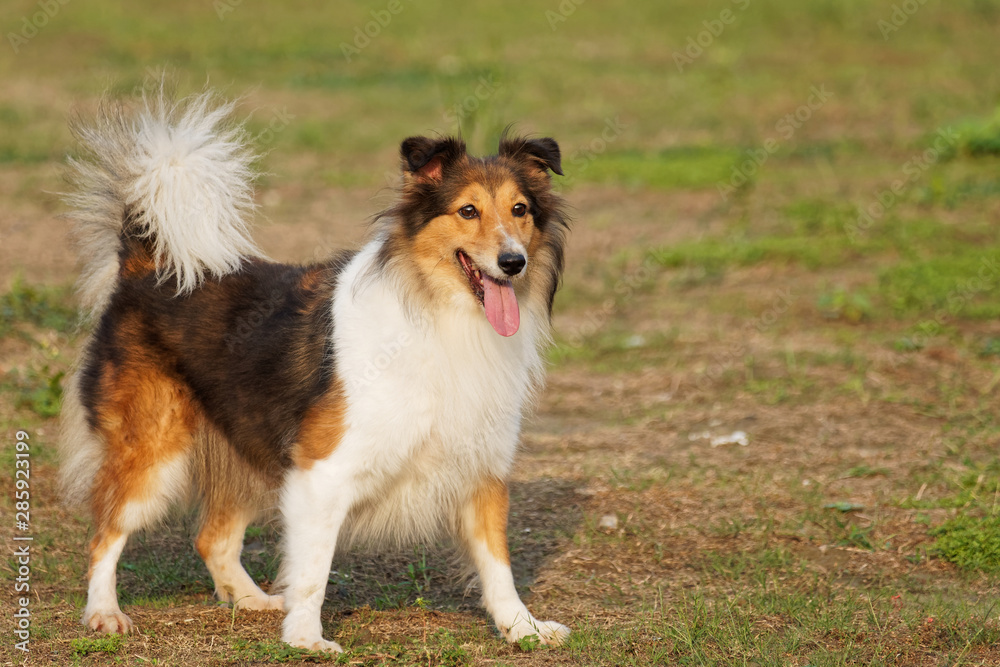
<point x="426" y="159"/>
<point x="543" y="152"/>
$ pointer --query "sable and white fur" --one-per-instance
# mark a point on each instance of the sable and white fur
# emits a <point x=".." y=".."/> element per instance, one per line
<point x="369" y="396"/>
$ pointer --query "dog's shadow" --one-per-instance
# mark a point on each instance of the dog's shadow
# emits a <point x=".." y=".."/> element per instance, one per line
<point x="161" y="565"/>
<point x="544" y="514"/>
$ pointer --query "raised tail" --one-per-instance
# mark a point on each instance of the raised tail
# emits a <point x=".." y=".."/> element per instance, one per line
<point x="176" y="175"/>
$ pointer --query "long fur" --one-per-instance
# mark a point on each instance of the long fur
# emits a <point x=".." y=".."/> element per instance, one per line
<point x="185" y="173"/>
<point x="375" y="397"/>
<point x="81" y="450"/>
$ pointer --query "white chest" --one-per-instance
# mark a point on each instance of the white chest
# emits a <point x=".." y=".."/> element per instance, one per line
<point x="434" y="400"/>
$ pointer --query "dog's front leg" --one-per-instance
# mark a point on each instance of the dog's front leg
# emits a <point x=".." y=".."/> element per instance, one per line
<point x="483" y="529"/>
<point x="314" y="508"/>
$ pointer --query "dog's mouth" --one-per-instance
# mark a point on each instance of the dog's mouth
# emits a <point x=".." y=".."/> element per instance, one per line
<point x="496" y="296"/>
<point x="474" y="275"/>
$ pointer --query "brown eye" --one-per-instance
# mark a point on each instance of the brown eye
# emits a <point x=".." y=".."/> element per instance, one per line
<point x="519" y="210"/>
<point x="468" y="212"/>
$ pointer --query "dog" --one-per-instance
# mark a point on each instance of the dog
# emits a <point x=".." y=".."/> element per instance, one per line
<point x="374" y="398"/>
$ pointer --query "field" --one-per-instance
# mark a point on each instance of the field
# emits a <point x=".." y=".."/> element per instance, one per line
<point x="770" y="433"/>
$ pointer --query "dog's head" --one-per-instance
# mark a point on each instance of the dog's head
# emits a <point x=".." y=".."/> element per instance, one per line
<point x="481" y="232"/>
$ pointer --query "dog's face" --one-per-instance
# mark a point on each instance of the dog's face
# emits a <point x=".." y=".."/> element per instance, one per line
<point x="477" y="227"/>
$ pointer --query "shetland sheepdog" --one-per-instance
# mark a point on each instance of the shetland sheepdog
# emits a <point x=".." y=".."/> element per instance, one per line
<point x="373" y="398"/>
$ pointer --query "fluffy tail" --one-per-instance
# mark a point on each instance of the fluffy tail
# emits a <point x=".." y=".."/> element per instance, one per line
<point x="180" y="173"/>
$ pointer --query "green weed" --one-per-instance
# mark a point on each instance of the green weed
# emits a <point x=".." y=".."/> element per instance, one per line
<point x="84" y="646"/>
<point x="417" y="581"/>
<point x="277" y="651"/>
<point x="37" y="390"/>
<point x="843" y="304"/>
<point x="971" y="542"/>
<point x="37" y="306"/>
<point x="979" y="137"/>
<point x="529" y="643"/>
<point x="450" y="651"/>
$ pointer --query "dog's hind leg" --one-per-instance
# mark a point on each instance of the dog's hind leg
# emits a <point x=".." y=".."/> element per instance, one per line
<point x="146" y="421"/>
<point x="103" y="613"/>
<point x="220" y="543"/>
<point x="232" y="494"/>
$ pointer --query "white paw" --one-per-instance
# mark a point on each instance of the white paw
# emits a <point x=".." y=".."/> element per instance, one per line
<point x="261" y="603"/>
<point x="111" y="621"/>
<point x="549" y="633"/>
<point x="315" y="645"/>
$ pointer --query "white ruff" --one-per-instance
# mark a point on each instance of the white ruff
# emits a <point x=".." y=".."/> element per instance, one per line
<point x="434" y="405"/>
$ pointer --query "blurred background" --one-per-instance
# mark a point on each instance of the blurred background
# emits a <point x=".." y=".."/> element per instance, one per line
<point x="770" y="433"/>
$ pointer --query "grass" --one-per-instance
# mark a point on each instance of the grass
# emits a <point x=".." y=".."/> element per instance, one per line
<point x="109" y="645"/>
<point x="980" y="137"/>
<point x="934" y="269"/>
<point x="971" y="542"/>
<point x="38" y="390"/>
<point x="791" y="613"/>
<point x="277" y="652"/>
<point x="680" y="168"/>
<point x="26" y="305"/>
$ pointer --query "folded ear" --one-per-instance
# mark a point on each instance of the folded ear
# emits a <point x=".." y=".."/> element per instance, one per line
<point x="426" y="159"/>
<point x="544" y="151"/>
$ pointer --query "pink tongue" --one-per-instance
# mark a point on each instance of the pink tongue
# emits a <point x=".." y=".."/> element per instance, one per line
<point x="501" y="306"/>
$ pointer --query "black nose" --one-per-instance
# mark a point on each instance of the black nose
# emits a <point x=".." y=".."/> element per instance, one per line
<point x="511" y="262"/>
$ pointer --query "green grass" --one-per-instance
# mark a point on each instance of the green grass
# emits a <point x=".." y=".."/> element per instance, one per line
<point x="34" y="313"/>
<point x="679" y="168"/>
<point x="37" y="390"/>
<point x="786" y="609"/>
<point x="934" y="269"/>
<point x="964" y="285"/>
<point x="414" y="584"/>
<point x="25" y="305"/>
<point x="278" y="652"/>
<point x="110" y="645"/>
<point x="980" y="137"/>
<point x="971" y="542"/>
